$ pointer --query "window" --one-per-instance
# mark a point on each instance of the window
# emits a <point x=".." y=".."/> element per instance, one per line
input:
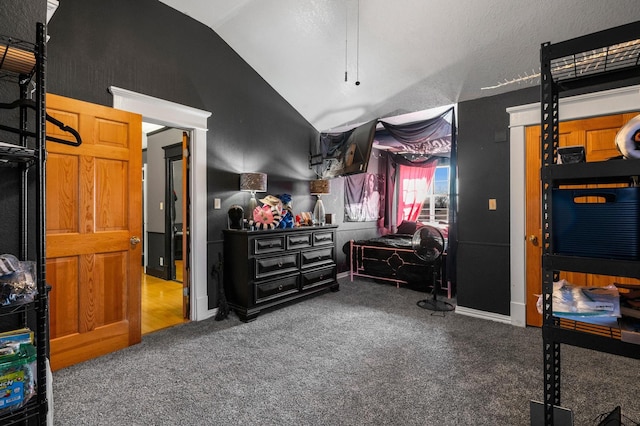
<point x="435" y="207"/>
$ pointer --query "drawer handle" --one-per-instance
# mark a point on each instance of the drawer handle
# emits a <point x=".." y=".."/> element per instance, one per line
<point x="321" y="277"/>
<point x="280" y="287"/>
<point x="279" y="264"/>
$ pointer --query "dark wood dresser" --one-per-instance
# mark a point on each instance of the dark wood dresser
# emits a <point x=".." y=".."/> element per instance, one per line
<point x="264" y="269"/>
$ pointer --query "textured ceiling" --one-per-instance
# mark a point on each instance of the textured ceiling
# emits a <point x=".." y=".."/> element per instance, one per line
<point x="408" y="55"/>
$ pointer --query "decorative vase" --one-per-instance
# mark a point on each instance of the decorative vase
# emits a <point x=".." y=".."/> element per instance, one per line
<point x="318" y="213"/>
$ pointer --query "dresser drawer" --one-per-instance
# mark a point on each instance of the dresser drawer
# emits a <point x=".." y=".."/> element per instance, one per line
<point x="276" y="288"/>
<point x="322" y="238"/>
<point x="317" y="257"/>
<point x="268" y="244"/>
<point x="264" y="269"/>
<point x="268" y="266"/>
<point x="318" y="277"/>
<point x="298" y="241"/>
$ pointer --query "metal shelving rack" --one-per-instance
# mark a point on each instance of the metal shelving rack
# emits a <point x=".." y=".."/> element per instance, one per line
<point x="594" y="62"/>
<point x="24" y="63"/>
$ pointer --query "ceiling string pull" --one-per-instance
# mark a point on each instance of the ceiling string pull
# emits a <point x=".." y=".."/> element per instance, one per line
<point x="346" y="39"/>
<point x="358" y="47"/>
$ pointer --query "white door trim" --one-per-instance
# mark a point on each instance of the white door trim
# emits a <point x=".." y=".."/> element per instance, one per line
<point x="159" y="111"/>
<point x="615" y="101"/>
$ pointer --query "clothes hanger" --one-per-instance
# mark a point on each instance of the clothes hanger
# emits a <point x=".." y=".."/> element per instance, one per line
<point x="31" y="104"/>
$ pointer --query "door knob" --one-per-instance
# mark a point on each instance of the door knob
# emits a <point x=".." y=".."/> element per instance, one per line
<point x="134" y="240"/>
<point x="533" y="239"/>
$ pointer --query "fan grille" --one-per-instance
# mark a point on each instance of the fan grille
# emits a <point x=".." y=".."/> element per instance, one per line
<point x="428" y="243"/>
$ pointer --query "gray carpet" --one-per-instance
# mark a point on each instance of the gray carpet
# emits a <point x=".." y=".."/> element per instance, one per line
<point x="366" y="355"/>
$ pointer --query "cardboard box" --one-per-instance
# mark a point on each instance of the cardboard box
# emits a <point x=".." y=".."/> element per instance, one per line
<point x="629" y="330"/>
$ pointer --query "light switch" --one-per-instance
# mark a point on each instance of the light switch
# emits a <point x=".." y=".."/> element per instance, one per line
<point x="161" y="205"/>
<point x="492" y="204"/>
<point x="216" y="203"/>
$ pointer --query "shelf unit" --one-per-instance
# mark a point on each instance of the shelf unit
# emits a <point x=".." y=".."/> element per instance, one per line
<point x="594" y="62"/>
<point x="24" y="63"/>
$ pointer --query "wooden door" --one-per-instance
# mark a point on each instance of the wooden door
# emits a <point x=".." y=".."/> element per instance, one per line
<point x="186" y="203"/>
<point x="94" y="223"/>
<point x="597" y="135"/>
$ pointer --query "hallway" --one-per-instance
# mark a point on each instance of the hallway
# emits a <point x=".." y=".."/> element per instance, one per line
<point x="161" y="302"/>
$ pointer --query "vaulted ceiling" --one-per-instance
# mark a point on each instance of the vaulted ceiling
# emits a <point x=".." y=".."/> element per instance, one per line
<point x="407" y="55"/>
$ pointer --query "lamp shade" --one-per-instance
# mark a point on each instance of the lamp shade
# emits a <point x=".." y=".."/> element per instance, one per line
<point x="319" y="186"/>
<point x="254" y="182"/>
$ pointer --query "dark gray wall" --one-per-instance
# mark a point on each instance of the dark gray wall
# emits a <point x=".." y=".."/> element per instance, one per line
<point x="17" y="20"/>
<point x="483" y="277"/>
<point x="155" y="250"/>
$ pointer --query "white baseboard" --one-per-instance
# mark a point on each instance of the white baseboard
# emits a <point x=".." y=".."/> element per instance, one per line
<point x="202" y="310"/>
<point x="49" y="394"/>
<point x="483" y="315"/>
<point x="518" y="314"/>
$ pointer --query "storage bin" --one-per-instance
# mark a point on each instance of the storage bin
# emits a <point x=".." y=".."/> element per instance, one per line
<point x="596" y="222"/>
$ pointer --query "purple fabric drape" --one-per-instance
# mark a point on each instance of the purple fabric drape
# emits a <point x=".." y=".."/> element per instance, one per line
<point x="416" y="144"/>
<point x="422" y="140"/>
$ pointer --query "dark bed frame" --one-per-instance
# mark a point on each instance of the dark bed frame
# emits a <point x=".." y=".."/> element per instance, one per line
<point x="388" y="264"/>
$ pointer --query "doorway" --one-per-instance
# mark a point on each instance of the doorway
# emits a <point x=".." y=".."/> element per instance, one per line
<point x="194" y="120"/>
<point x="596" y="135"/>
<point x="164" y="192"/>
<point x="582" y="106"/>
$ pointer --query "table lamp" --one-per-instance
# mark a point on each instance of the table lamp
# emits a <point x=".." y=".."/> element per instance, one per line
<point x="318" y="187"/>
<point x="253" y="182"/>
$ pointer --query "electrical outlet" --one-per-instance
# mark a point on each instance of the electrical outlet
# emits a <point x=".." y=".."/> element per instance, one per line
<point x="161" y="205"/>
<point x="162" y="261"/>
<point x="216" y="203"/>
<point x="492" y="204"/>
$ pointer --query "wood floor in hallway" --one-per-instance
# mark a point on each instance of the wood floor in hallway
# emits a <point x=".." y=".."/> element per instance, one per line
<point x="161" y="303"/>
